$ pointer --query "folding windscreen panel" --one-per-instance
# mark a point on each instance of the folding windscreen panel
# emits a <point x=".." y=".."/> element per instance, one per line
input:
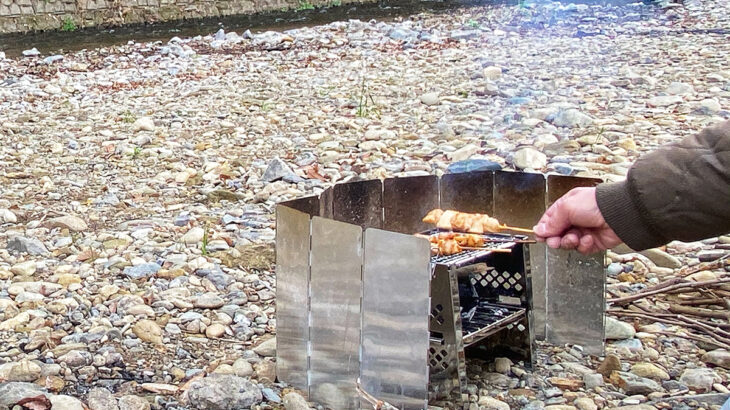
<point x="395" y="305"/>
<point x="354" y="285"/>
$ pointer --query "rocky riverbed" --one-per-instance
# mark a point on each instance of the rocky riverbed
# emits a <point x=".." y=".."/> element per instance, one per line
<point x="138" y="184"/>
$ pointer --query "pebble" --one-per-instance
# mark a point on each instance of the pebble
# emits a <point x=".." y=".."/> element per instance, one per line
<point x="295" y="401"/>
<point x="223" y="392"/>
<point x="113" y="155"/>
<point x="718" y="357"/>
<point x="699" y="380"/>
<point x="618" y="330"/>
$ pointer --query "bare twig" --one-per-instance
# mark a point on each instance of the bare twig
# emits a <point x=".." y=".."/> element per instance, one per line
<point x="377" y="404"/>
<point x="676" y="284"/>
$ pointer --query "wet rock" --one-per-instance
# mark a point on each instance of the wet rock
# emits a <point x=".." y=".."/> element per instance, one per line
<point x="618" y="330"/>
<point x="223" y="392"/>
<point x="699" y="380"/>
<point x="30" y="246"/>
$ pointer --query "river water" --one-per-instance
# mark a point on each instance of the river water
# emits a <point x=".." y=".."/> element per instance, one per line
<point x="58" y="42"/>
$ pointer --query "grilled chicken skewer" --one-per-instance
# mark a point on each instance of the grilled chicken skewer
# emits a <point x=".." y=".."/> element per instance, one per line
<point x="465" y="222"/>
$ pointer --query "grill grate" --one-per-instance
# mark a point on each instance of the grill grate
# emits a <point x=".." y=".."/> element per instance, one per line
<point x="492" y="240"/>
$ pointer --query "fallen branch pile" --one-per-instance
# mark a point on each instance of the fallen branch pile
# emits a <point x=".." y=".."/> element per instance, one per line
<point x="701" y="309"/>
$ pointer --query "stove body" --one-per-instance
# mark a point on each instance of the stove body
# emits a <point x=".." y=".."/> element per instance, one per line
<point x="359" y="297"/>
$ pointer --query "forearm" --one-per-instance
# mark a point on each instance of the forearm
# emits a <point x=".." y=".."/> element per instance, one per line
<point x="678" y="192"/>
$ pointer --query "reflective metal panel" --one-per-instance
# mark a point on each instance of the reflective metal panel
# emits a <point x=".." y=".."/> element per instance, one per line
<point x="308" y="204"/>
<point x="468" y="192"/>
<point x="292" y="291"/>
<point x="336" y="270"/>
<point x="576" y="300"/>
<point x="575" y="286"/>
<point x="519" y="198"/>
<point x="395" y="309"/>
<point x="538" y="262"/>
<point x="407" y="200"/>
<point x="325" y="203"/>
<point x="359" y="203"/>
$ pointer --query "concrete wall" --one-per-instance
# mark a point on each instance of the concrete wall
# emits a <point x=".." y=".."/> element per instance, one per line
<point x="33" y="15"/>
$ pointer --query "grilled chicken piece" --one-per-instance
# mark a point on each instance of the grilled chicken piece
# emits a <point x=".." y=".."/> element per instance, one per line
<point x="465" y="222"/>
<point x="448" y="247"/>
<point x="433" y="217"/>
<point x="446" y="220"/>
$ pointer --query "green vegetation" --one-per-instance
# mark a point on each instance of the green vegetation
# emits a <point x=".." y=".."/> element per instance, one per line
<point x="472" y="23"/>
<point x="366" y="103"/>
<point x="305" y="5"/>
<point x="128" y="117"/>
<point x="67" y="24"/>
<point x="335" y="3"/>
<point x="137" y="151"/>
<point x="204" y="246"/>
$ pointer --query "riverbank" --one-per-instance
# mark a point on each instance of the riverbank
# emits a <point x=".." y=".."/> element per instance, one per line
<point x="139" y="182"/>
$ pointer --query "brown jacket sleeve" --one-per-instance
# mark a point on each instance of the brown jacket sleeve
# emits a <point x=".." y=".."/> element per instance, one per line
<point x="678" y="192"/>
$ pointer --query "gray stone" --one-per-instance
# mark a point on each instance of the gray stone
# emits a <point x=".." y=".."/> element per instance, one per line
<point x="430" y="98"/>
<point x="295" y="401"/>
<point x="13" y="392"/>
<point x="664" y="101"/>
<point x="677" y="88"/>
<point x="718" y="357"/>
<point x="276" y="170"/>
<point x="570" y="118"/>
<point x="102" y="399"/>
<point x="209" y="301"/>
<point x="618" y="330"/>
<point x="144" y="270"/>
<point x="66" y="403"/>
<point x="30" y="246"/>
<point x="223" y="392"/>
<point x="502" y="365"/>
<point x="699" y="380"/>
<point x="593" y="380"/>
<point x="70" y="222"/>
<point x="490" y="403"/>
<point x="633" y="384"/>
<point x="710" y="255"/>
<point x="267" y="348"/>
<point x="529" y="158"/>
<point x="242" y="368"/>
<point x="132" y="402"/>
<point x="661" y="258"/>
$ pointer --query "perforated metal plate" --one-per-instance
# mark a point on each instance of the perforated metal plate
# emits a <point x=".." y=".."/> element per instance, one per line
<point x="395" y="334"/>
<point x="359" y="203"/>
<point x="336" y="259"/>
<point x="292" y="291"/>
<point x="407" y="200"/>
<point x="468" y="192"/>
<point x="575" y="286"/>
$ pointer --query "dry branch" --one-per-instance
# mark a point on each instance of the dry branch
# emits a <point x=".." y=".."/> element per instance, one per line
<point x="672" y="285"/>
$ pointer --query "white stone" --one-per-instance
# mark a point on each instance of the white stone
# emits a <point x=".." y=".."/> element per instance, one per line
<point x="143" y="124"/>
<point x="193" y="236"/>
<point x="618" y="330"/>
<point x="492" y="73"/>
<point x="529" y="158"/>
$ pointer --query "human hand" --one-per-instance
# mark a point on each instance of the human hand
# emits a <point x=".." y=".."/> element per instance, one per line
<point x="575" y="222"/>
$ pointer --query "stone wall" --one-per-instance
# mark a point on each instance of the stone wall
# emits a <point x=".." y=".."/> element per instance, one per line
<point x="33" y="15"/>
